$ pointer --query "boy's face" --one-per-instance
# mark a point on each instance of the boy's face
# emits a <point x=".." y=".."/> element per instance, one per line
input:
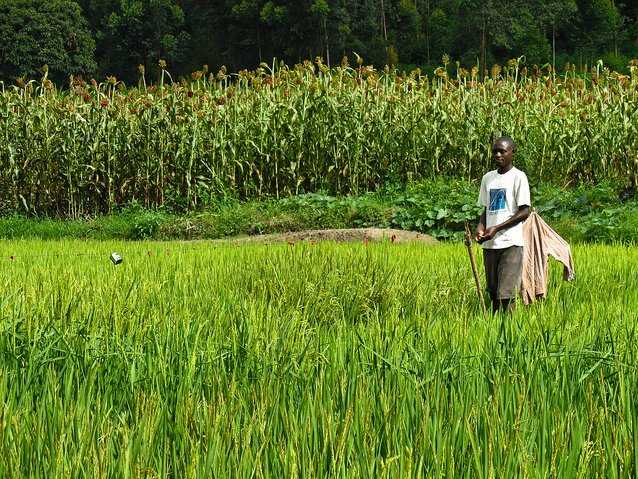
<point x="502" y="153"/>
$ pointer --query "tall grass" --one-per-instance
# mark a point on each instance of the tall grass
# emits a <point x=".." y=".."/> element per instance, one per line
<point x="309" y="361"/>
<point x="279" y="131"/>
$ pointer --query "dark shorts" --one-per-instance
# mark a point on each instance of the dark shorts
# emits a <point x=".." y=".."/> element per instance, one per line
<point x="503" y="271"/>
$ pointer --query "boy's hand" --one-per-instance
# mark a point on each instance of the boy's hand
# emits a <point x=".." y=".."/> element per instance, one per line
<point x="480" y="232"/>
<point x="488" y="234"/>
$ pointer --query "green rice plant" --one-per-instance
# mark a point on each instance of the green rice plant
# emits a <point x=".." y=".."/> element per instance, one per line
<point x="213" y="360"/>
<point x="280" y="130"/>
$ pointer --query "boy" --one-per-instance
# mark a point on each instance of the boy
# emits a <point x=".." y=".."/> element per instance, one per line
<point x="506" y="200"/>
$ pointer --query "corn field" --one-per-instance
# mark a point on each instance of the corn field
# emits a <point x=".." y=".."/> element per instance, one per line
<point x="202" y="360"/>
<point x="278" y="131"/>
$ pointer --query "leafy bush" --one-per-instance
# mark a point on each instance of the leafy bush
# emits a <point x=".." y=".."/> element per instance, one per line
<point x="439" y="208"/>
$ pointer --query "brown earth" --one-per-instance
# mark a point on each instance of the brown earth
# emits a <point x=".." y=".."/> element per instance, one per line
<point x="341" y="235"/>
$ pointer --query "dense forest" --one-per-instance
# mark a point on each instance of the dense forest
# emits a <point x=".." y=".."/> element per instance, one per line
<point x="118" y="37"/>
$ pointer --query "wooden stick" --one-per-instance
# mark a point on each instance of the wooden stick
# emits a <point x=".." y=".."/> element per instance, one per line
<point x="470" y="251"/>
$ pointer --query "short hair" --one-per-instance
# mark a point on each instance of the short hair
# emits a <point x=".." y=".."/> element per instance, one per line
<point x="509" y="140"/>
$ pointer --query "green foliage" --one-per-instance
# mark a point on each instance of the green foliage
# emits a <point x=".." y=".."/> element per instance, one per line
<point x="39" y="33"/>
<point x="244" y="33"/>
<point x="601" y="23"/>
<point x="439" y="208"/>
<point x="143" y="32"/>
<point x="144" y="224"/>
<point x="589" y="214"/>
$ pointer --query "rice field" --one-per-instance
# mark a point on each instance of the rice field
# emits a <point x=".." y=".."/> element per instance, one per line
<point x="326" y="360"/>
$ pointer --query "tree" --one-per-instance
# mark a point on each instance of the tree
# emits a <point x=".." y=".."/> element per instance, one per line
<point x="321" y="10"/>
<point x="277" y="20"/>
<point x="39" y="32"/>
<point x="245" y="31"/>
<point x="97" y="11"/>
<point x="366" y="36"/>
<point x="141" y="32"/>
<point x="552" y="14"/>
<point x="441" y="28"/>
<point x="601" y="24"/>
<point x="486" y="18"/>
<point x="408" y="30"/>
<point x="205" y="21"/>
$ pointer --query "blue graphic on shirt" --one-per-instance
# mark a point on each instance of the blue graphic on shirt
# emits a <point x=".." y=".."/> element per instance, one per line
<point x="497" y="199"/>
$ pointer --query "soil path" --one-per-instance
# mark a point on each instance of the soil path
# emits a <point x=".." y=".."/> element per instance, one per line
<point x="340" y="235"/>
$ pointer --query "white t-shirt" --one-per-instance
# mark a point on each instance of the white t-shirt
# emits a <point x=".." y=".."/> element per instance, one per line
<point x="502" y="195"/>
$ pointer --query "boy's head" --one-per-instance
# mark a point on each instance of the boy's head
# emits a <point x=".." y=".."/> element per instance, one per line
<point x="503" y="151"/>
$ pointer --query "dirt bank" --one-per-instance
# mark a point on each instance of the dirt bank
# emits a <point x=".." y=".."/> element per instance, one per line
<point x="341" y="235"/>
